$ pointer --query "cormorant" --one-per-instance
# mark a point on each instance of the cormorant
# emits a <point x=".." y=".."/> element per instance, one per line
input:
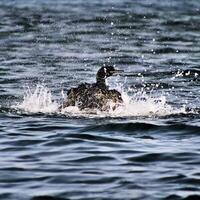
<point x="96" y="95"/>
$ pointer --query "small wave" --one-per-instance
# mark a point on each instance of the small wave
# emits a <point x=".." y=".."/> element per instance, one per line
<point x="177" y="197"/>
<point x="140" y="104"/>
<point x="46" y="197"/>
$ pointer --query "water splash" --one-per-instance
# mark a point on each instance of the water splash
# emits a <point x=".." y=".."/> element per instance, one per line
<point x="142" y="104"/>
<point x="38" y="100"/>
<point x="139" y="104"/>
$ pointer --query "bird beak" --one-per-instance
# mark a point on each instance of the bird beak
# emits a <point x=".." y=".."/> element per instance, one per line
<point x="117" y="72"/>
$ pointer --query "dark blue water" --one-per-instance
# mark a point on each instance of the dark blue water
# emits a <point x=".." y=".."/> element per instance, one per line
<point x="149" y="150"/>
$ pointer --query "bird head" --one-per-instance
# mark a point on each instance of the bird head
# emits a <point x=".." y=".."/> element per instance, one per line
<point x="107" y="71"/>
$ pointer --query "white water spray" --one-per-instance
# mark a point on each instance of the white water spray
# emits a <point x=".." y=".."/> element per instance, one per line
<point x="140" y="104"/>
<point x="38" y="100"/>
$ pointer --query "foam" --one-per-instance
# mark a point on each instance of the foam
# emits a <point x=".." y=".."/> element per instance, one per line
<point x="40" y="100"/>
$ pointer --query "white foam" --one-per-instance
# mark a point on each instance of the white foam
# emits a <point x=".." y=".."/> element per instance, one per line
<point x="38" y="100"/>
<point x="140" y="104"/>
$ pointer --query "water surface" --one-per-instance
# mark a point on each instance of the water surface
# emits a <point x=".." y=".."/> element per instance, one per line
<point x="148" y="149"/>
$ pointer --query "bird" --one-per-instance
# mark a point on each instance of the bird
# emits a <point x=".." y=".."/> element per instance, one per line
<point x="95" y="95"/>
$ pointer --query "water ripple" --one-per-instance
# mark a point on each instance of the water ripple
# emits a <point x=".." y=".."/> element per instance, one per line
<point x="147" y="150"/>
